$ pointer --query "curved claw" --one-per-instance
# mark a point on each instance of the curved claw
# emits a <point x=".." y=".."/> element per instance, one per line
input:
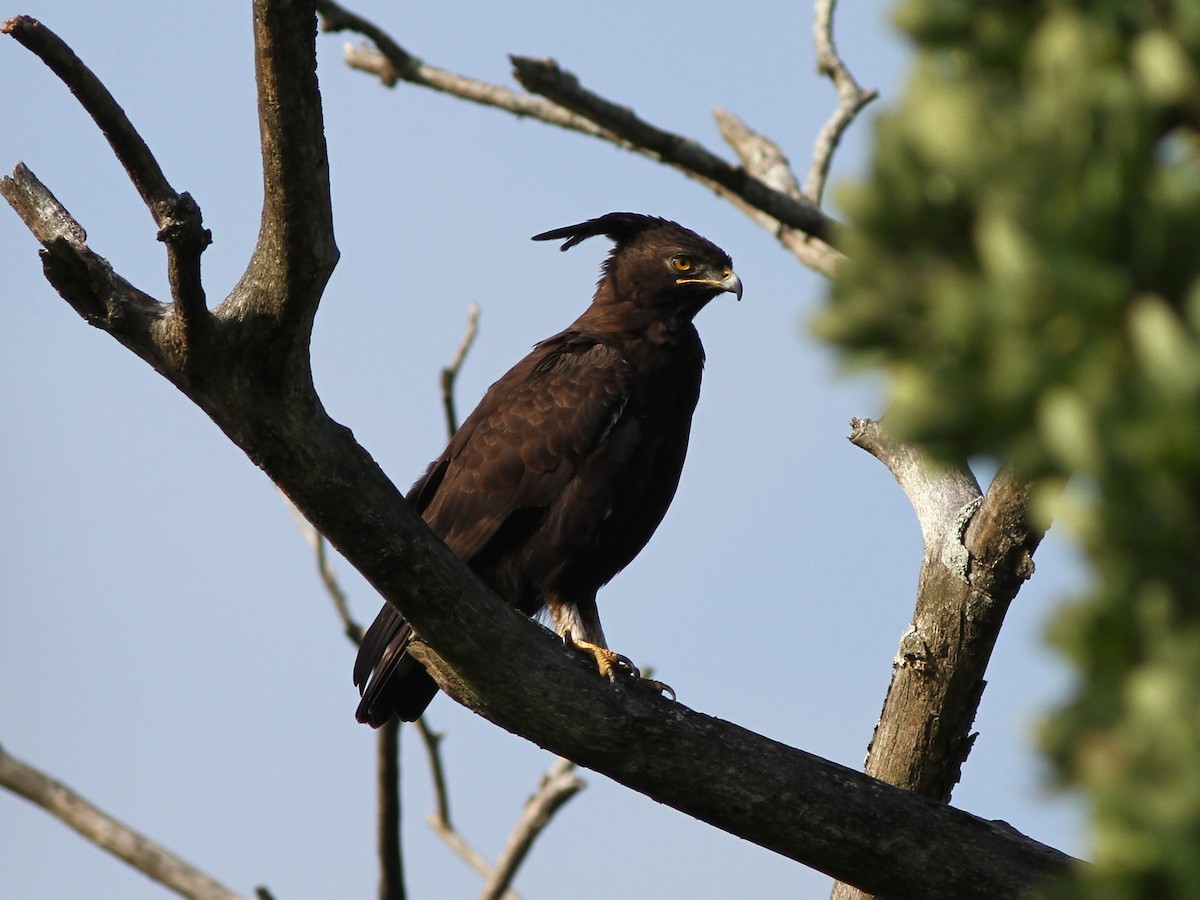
<point x="609" y="663"/>
<point x="659" y="686"/>
<point x="623" y="664"/>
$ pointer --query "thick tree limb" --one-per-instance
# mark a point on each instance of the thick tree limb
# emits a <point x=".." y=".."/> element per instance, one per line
<point x="978" y="553"/>
<point x="251" y="375"/>
<point x="105" y="832"/>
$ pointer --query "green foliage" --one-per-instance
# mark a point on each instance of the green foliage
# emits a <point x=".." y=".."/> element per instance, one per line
<point x="1025" y="264"/>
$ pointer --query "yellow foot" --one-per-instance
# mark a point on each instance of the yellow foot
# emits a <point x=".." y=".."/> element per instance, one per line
<point x="610" y="663"/>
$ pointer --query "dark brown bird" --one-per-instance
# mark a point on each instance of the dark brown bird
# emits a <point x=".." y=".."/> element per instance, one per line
<point x="562" y="473"/>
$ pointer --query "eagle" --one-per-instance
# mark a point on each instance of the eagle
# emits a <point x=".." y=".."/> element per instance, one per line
<point x="566" y="467"/>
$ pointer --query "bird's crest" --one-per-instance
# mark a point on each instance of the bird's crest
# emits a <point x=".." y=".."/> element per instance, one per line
<point x="621" y="227"/>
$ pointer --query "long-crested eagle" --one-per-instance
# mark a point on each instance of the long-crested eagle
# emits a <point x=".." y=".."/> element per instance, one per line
<point x="563" y="472"/>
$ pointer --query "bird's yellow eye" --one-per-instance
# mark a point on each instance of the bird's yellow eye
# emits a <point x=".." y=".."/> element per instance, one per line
<point x="681" y="263"/>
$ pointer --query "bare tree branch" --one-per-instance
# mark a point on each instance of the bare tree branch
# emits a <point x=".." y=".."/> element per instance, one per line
<point x="560" y="783"/>
<point x="350" y="627"/>
<point x="547" y="78"/>
<point x="431" y="740"/>
<point x="978" y="552"/>
<point x="252" y="377"/>
<point x="176" y="215"/>
<point x="439" y="820"/>
<point x="450" y="372"/>
<point x="464" y="851"/>
<point x="387" y="756"/>
<point x="939" y="494"/>
<point x="851" y="100"/>
<point x="389" y="845"/>
<point x="388" y="838"/>
<point x="391" y="63"/>
<point x="149" y="858"/>
<point x="578" y="109"/>
<point x="765" y="160"/>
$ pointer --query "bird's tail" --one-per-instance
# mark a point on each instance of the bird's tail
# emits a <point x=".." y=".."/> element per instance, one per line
<point x="391" y="682"/>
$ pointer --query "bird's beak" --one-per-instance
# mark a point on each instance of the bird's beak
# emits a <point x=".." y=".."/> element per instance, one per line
<point x="732" y="283"/>
<point x="727" y="282"/>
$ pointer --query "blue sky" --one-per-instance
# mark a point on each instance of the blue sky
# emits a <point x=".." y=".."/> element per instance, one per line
<point x="165" y="646"/>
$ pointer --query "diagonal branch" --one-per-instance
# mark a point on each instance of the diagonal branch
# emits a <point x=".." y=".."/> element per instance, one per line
<point x="341" y="605"/>
<point x="560" y="783"/>
<point x="176" y="215"/>
<point x="765" y="159"/>
<point x="149" y="858"/>
<point x="390" y="62"/>
<point x="83" y="278"/>
<point x="545" y="77"/>
<point x="578" y="109"/>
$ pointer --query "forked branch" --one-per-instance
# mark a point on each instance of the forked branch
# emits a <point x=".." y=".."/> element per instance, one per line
<point x="176" y="215"/>
<point x="978" y="553"/>
<point x="570" y="105"/>
<point x="851" y="100"/>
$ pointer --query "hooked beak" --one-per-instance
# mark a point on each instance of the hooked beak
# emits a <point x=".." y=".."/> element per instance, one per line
<point x="727" y="282"/>
<point x="733" y="284"/>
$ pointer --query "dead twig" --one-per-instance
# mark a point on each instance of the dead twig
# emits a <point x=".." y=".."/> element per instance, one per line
<point x="101" y="829"/>
<point x="560" y="783"/>
<point x="851" y="100"/>
<point x="765" y="159"/>
<point x="352" y="629"/>
<point x="569" y="105"/>
<point x="450" y="372"/>
<point x="176" y="215"/>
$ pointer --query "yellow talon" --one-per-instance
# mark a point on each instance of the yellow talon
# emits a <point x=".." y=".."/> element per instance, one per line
<point x="609" y="663"/>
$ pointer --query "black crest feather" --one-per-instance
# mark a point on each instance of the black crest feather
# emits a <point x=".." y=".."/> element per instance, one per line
<point x="621" y="227"/>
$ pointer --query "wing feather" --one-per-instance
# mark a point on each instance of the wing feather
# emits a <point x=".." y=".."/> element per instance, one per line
<point x="526" y="440"/>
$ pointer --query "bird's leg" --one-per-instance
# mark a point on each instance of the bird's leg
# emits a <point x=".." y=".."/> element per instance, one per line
<point x="609" y="663"/>
<point x="579" y="625"/>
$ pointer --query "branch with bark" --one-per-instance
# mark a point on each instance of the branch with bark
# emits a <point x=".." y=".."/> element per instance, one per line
<point x="978" y="552"/>
<point x="558" y="785"/>
<point x="789" y="214"/>
<point x="246" y="364"/>
<point x="107" y="833"/>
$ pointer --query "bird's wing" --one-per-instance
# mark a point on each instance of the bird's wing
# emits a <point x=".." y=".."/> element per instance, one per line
<point x="519" y="449"/>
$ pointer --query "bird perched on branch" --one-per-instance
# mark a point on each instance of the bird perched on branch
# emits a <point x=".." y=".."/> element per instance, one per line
<point x="562" y="473"/>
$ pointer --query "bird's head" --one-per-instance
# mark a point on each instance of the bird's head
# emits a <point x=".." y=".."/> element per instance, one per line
<point x="657" y="265"/>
